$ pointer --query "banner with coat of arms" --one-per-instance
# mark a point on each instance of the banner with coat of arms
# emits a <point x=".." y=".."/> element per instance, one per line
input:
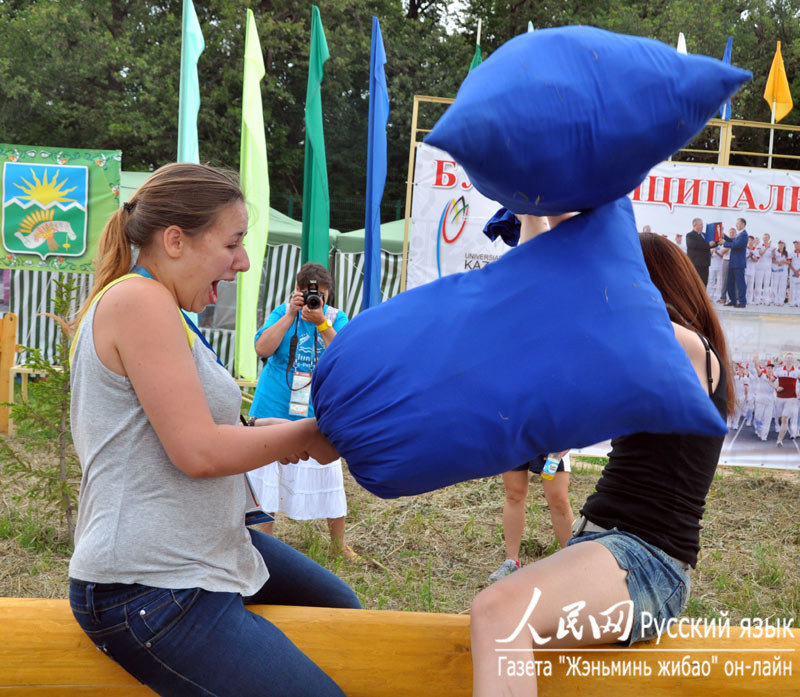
<point x="55" y="204"/>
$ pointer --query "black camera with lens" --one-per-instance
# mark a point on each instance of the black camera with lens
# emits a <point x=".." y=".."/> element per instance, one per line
<point x="312" y="298"/>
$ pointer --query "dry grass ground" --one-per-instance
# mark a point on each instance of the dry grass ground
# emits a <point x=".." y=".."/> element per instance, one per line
<point x="434" y="552"/>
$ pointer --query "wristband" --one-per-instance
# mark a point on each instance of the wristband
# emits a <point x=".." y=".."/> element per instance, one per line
<point x="325" y="325"/>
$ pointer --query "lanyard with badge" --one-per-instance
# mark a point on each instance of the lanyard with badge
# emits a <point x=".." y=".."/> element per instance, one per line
<point x="253" y="513"/>
<point x="300" y="386"/>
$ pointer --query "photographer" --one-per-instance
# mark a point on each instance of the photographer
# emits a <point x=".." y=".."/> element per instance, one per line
<point x="294" y="338"/>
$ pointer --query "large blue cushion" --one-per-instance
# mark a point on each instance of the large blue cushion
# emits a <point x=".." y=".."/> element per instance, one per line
<point x="568" y="119"/>
<point x="476" y="373"/>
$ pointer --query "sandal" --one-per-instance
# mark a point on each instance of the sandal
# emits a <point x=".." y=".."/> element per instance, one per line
<point x="347" y="553"/>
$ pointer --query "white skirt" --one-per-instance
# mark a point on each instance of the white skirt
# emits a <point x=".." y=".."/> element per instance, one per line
<point x="305" y="491"/>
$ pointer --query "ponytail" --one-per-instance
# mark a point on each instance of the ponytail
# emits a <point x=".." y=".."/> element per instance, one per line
<point x="113" y="257"/>
<point x="183" y="194"/>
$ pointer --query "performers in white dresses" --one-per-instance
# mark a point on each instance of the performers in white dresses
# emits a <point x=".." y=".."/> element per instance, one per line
<point x="716" y="280"/>
<point x="780" y="274"/>
<point x="763" y="273"/>
<point x="794" y="275"/>
<point x="751" y="260"/>
<point x="787" y="405"/>
<point x="766" y="387"/>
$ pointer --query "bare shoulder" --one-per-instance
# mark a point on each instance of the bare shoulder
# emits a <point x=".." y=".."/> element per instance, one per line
<point x="694" y="347"/>
<point x="136" y="292"/>
<point x="688" y="340"/>
<point x="137" y="302"/>
<point x="136" y="318"/>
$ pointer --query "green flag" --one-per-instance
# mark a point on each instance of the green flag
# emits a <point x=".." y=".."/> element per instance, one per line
<point x="477" y="59"/>
<point x="192" y="46"/>
<point x="316" y="205"/>
<point x="255" y="184"/>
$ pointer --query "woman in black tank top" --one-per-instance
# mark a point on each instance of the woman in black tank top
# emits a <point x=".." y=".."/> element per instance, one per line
<point x="626" y="569"/>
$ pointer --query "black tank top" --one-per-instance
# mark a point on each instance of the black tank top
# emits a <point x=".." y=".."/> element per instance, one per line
<point x="655" y="484"/>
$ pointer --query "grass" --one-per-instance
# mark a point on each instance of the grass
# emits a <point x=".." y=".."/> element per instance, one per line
<point x="434" y="552"/>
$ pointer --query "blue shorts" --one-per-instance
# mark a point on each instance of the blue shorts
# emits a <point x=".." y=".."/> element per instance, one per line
<point x="658" y="584"/>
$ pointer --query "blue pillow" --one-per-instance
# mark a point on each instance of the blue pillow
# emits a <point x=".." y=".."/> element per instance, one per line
<point x="476" y="373"/>
<point x="568" y="119"/>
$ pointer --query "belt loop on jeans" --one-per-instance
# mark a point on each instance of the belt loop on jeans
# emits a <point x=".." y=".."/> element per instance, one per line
<point x="90" y="603"/>
<point x="582" y="524"/>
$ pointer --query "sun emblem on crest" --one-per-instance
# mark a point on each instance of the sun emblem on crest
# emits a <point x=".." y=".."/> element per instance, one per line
<point x="45" y="192"/>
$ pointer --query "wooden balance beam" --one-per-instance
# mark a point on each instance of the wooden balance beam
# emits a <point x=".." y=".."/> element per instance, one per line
<point x="374" y="653"/>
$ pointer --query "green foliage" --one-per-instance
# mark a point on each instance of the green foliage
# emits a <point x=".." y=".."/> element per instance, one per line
<point x="105" y="74"/>
<point x="31" y="533"/>
<point x="43" y="421"/>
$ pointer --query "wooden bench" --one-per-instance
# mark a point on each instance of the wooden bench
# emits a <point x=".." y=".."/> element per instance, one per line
<point x="372" y="653"/>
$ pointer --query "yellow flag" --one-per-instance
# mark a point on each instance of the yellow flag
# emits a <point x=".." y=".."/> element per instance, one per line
<point x="777" y="89"/>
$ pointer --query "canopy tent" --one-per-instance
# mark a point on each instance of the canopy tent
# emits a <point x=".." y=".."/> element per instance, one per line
<point x="392" y="234"/>
<point x="129" y="182"/>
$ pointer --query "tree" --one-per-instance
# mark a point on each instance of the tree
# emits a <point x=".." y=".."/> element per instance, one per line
<point x="45" y="419"/>
<point x="103" y="74"/>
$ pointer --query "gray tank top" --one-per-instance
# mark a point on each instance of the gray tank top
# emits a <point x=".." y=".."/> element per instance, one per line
<point x="140" y="519"/>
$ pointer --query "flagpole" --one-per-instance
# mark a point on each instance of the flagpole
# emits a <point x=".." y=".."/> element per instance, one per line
<point x="771" y="135"/>
<point x="477" y="58"/>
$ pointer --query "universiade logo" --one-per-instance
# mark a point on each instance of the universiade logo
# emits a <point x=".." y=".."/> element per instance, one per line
<point x="44" y="209"/>
<point x="454" y="215"/>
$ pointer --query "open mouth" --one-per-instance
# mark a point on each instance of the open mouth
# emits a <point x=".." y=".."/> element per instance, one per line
<point x="213" y="293"/>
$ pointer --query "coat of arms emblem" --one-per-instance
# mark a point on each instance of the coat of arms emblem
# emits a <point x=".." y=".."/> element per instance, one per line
<point x="44" y="209"/>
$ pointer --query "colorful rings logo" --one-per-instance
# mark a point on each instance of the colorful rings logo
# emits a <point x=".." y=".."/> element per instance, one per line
<point x="455" y="212"/>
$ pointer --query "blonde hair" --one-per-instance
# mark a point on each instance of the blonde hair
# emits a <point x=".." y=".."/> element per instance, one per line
<point x="183" y="194"/>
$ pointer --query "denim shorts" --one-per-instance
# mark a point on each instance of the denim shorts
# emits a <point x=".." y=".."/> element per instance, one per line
<point x="658" y="584"/>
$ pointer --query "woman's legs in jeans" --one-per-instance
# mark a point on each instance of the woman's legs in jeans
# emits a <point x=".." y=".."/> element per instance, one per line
<point x="294" y="579"/>
<point x="197" y="643"/>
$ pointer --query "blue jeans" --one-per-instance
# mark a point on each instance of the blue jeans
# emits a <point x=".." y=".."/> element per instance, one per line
<point x="658" y="584"/>
<point x="193" y="642"/>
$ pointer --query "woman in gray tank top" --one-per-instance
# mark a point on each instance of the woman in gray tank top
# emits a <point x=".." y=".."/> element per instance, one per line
<point x="163" y="563"/>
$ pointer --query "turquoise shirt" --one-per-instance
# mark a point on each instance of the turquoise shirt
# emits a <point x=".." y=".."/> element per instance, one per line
<point x="273" y="392"/>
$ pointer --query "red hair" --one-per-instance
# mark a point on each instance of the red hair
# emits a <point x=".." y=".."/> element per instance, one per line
<point x="685" y="295"/>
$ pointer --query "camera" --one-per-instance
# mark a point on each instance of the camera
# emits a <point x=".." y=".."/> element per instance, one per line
<point x="312" y="298"/>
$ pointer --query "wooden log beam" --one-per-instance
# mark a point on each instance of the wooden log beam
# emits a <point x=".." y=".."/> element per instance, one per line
<point x="371" y="653"/>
